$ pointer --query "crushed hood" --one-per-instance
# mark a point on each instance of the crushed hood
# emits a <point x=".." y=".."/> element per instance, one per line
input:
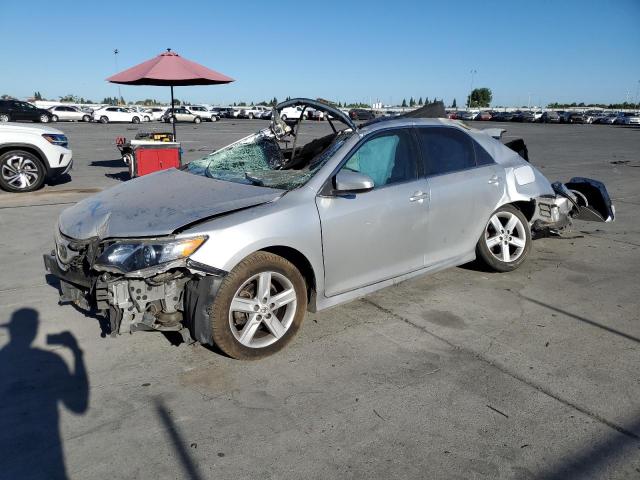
<point x="158" y="204"/>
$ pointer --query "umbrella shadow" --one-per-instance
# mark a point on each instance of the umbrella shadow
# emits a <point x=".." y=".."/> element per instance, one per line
<point x="33" y="382"/>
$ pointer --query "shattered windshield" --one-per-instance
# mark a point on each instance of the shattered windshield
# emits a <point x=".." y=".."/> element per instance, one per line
<point x="259" y="160"/>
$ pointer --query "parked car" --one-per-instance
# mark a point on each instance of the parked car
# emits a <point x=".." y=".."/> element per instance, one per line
<point x="31" y="155"/>
<point x="264" y="232"/>
<point x="252" y="112"/>
<point x="155" y="113"/>
<point x="180" y="114"/>
<point x="291" y="113"/>
<point x="16" y="110"/>
<point x="223" y="112"/>
<point x="627" y="118"/>
<point x="565" y="116"/>
<point x="203" y="112"/>
<point x="313" y="114"/>
<point x="483" y="116"/>
<point x="141" y="112"/>
<point x="466" y="116"/>
<point x="577" y="117"/>
<point x="361" y="114"/>
<point x="550" y="117"/>
<point x="502" y="116"/>
<point x="116" y="114"/>
<point x="68" y="113"/>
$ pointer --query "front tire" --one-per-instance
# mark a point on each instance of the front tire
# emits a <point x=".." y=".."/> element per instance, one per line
<point x="21" y="171"/>
<point x="505" y="241"/>
<point x="259" y="308"/>
<point x="54" y="118"/>
<point x="214" y="119"/>
<point x="4" y="117"/>
<point x="44" y="118"/>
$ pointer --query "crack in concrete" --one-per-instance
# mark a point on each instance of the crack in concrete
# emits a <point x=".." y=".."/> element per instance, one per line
<point x="508" y="372"/>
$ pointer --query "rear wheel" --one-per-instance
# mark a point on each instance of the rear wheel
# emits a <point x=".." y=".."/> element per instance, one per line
<point x="104" y="119"/>
<point x="135" y="120"/>
<point x="147" y="118"/>
<point x="197" y="120"/>
<point x="86" y="118"/>
<point x="259" y="308"/>
<point x="506" y="240"/>
<point x="21" y="171"/>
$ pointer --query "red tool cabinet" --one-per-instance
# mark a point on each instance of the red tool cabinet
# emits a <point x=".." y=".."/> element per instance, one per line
<point x="151" y="158"/>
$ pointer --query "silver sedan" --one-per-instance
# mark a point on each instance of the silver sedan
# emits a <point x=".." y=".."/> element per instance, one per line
<point x="233" y="249"/>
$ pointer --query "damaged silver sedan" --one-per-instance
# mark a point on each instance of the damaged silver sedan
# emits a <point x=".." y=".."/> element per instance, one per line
<point x="235" y="247"/>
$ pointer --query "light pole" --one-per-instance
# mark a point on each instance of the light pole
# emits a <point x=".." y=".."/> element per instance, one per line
<point x="115" y="58"/>
<point x="473" y="73"/>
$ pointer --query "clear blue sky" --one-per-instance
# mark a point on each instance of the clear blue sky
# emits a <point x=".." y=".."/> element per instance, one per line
<point x="351" y="51"/>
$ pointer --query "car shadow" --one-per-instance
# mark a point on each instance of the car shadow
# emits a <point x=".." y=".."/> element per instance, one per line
<point x="33" y="382"/>
<point x="116" y="163"/>
<point x="120" y="176"/>
<point x="59" y="180"/>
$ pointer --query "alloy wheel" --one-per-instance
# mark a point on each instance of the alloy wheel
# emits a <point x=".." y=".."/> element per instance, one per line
<point x="262" y="309"/>
<point x="20" y="172"/>
<point x="505" y="236"/>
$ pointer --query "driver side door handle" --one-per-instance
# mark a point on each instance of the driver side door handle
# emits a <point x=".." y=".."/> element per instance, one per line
<point x="418" y="196"/>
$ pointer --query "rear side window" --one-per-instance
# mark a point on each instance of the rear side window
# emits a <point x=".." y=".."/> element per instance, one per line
<point x="482" y="156"/>
<point x="446" y="150"/>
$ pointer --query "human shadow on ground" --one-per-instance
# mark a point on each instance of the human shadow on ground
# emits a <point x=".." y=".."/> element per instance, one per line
<point x="32" y="383"/>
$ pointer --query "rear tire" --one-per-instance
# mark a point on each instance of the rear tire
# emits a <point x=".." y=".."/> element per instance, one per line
<point x="21" y="171"/>
<point x="135" y="120"/>
<point x="86" y="118"/>
<point x="259" y="308"/>
<point x="505" y="241"/>
<point x="197" y="120"/>
<point x="104" y="119"/>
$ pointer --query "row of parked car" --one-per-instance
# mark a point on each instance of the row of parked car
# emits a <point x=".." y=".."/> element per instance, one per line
<point x="552" y="116"/>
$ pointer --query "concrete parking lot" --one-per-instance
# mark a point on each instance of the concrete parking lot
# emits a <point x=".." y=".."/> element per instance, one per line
<point x="463" y="374"/>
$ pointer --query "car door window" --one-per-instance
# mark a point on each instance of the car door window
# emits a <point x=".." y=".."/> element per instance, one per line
<point x="446" y="150"/>
<point x="387" y="158"/>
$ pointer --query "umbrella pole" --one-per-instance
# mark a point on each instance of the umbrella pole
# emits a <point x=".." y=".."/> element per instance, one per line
<point x="175" y="139"/>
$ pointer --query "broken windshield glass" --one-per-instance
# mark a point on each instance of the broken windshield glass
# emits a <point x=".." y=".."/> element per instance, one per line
<point x="259" y="160"/>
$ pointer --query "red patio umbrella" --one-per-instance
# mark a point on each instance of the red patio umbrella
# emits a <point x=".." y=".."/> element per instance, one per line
<point x="171" y="70"/>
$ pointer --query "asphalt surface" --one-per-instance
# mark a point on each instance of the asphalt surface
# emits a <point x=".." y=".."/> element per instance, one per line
<point x="463" y="374"/>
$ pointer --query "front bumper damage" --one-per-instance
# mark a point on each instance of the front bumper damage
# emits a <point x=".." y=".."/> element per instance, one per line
<point x="176" y="296"/>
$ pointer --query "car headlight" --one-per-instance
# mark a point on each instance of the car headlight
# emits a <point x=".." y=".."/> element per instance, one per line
<point x="129" y="256"/>
<point x="56" y="139"/>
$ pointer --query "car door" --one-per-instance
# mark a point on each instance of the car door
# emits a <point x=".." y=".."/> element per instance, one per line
<point x="20" y="111"/>
<point x="465" y="186"/>
<point x="379" y="234"/>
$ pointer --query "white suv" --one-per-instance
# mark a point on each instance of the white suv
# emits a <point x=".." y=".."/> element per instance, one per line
<point x="31" y="155"/>
<point x="202" y="112"/>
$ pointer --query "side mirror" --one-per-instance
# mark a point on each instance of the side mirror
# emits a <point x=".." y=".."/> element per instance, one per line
<point x="347" y="181"/>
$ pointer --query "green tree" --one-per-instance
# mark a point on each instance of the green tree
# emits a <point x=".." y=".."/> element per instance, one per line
<point x="454" y="104"/>
<point x="480" y="97"/>
<point x="426" y="100"/>
<point x="420" y="101"/>
<point x="412" y="102"/>
<point x="404" y="102"/>
<point x="37" y="96"/>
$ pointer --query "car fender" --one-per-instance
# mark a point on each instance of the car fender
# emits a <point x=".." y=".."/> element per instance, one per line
<point x="292" y="221"/>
